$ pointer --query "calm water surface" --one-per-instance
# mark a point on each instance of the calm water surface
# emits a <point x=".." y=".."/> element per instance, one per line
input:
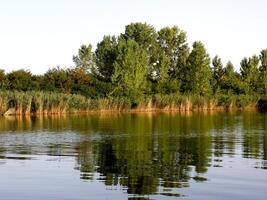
<point x="134" y="156"/>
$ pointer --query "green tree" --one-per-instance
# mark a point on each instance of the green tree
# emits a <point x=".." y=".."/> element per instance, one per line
<point x="263" y="71"/>
<point x="163" y="81"/>
<point x="146" y="37"/>
<point x="106" y="53"/>
<point x="231" y="81"/>
<point x="3" y="81"/>
<point x="250" y="73"/>
<point x="142" y="33"/>
<point x="131" y="67"/>
<point x="57" y="79"/>
<point x="218" y="73"/>
<point x="173" y="42"/>
<point x="20" y="80"/>
<point x="87" y="85"/>
<point x="85" y="59"/>
<point x="199" y="71"/>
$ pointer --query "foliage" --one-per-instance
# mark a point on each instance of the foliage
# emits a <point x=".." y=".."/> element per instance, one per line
<point x="199" y="71"/>
<point x="250" y="73"/>
<point x="140" y="66"/>
<point x="263" y="72"/>
<point x="131" y="67"/>
<point x="85" y="59"/>
<point x="106" y="54"/>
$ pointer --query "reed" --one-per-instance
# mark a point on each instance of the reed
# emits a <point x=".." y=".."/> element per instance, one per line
<point x="39" y="102"/>
<point x="34" y="102"/>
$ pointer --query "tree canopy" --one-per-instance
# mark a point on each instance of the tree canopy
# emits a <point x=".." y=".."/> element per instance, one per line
<point x="144" y="62"/>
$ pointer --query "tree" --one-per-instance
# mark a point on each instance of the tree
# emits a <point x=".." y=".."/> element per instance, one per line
<point x="218" y="72"/>
<point x="106" y="53"/>
<point x="173" y="43"/>
<point x="143" y="34"/>
<point x="80" y="81"/>
<point x="199" y="73"/>
<point x="131" y="67"/>
<point x="57" y="79"/>
<point x="2" y="79"/>
<point x="146" y="37"/>
<point x="263" y="71"/>
<point x="85" y="59"/>
<point x="231" y="81"/>
<point x="20" y="80"/>
<point x="164" y="83"/>
<point x="250" y="73"/>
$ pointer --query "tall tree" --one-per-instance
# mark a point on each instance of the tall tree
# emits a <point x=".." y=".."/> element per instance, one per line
<point x="229" y="79"/>
<point x="217" y="73"/>
<point x="164" y="82"/>
<point x="146" y="37"/>
<point x="250" y="73"/>
<point x="142" y="33"/>
<point x="106" y="53"/>
<point x="263" y="71"/>
<point x="85" y="59"/>
<point x="173" y="43"/>
<point x="199" y="71"/>
<point x="131" y="66"/>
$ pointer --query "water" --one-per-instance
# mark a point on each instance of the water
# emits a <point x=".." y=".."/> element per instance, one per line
<point x="134" y="156"/>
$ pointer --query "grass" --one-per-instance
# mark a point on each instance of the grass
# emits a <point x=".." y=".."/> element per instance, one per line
<point x="38" y="102"/>
<point x="56" y="103"/>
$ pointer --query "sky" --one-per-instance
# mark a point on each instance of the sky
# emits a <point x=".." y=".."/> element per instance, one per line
<point x="41" y="34"/>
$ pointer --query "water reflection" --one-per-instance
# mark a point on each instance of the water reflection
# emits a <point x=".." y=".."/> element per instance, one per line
<point x="142" y="154"/>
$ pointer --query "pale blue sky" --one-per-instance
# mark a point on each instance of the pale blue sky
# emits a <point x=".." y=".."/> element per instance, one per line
<point x="40" y="34"/>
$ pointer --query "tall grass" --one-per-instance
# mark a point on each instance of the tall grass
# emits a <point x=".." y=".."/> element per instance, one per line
<point x="184" y="102"/>
<point x="196" y="102"/>
<point x="237" y="101"/>
<point x="38" y="102"/>
<point x="34" y="102"/>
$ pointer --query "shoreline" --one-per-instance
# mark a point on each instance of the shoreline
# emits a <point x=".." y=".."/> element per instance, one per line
<point x="135" y="110"/>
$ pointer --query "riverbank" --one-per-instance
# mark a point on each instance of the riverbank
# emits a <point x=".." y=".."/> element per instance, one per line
<point x="45" y="103"/>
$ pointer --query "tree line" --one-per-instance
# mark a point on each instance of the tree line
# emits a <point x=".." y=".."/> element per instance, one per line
<point x="143" y="62"/>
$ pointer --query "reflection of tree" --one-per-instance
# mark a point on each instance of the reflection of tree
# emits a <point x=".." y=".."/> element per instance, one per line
<point x="85" y="160"/>
<point x="251" y="136"/>
<point x="152" y="151"/>
<point x="108" y="163"/>
<point x="265" y="138"/>
<point x="142" y="152"/>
